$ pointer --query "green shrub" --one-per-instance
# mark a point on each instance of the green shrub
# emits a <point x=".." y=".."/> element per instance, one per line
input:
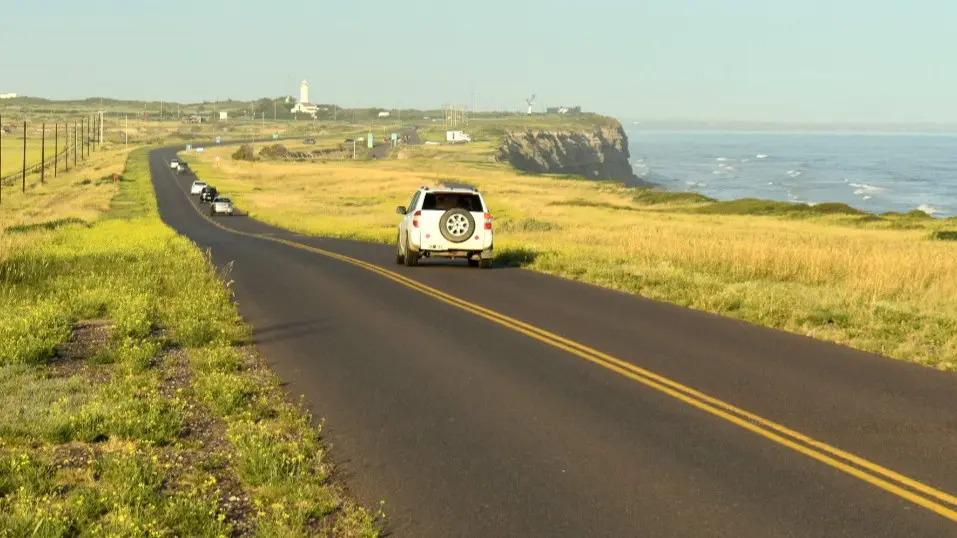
<point x="945" y="235"/>
<point x="755" y="206"/>
<point x="656" y="196"/>
<point x="245" y="153"/>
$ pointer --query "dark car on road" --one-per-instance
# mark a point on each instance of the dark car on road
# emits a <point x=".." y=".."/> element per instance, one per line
<point x="208" y="194"/>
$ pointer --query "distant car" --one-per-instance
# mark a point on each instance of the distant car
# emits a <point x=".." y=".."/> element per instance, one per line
<point x="174" y="164"/>
<point x="447" y="222"/>
<point x="182" y="167"/>
<point x="221" y="206"/>
<point x="197" y="187"/>
<point x="219" y="140"/>
<point x="208" y="194"/>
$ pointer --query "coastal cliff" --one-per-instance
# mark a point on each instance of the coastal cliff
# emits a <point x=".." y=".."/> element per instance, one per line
<point x="596" y="153"/>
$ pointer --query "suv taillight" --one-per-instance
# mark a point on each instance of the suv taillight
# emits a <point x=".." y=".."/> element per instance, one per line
<point x="488" y="221"/>
<point x="415" y="219"/>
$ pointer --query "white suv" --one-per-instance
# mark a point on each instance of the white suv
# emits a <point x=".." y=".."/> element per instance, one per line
<point x="197" y="187"/>
<point x="448" y="222"/>
<point x="221" y="206"/>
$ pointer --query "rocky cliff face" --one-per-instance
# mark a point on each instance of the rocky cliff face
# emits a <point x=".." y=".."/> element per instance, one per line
<point x="598" y="153"/>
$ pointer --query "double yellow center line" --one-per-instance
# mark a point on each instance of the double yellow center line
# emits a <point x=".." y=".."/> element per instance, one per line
<point x="935" y="500"/>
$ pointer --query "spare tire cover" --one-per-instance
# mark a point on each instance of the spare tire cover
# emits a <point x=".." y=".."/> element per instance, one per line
<point x="456" y="225"/>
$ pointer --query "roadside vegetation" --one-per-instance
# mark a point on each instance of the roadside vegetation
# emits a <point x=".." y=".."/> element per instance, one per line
<point x="880" y="283"/>
<point x="131" y="403"/>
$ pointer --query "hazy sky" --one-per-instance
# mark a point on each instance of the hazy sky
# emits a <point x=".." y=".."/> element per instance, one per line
<point x="751" y="60"/>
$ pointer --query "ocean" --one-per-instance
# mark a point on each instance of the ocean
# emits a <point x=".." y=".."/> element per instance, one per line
<point x="875" y="172"/>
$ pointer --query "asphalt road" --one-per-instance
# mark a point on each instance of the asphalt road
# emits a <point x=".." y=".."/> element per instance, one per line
<point x="467" y="425"/>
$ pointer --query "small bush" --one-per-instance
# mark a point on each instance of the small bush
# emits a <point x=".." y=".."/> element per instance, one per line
<point x="655" y="196"/>
<point x="245" y="153"/>
<point x="945" y="235"/>
<point x="274" y="151"/>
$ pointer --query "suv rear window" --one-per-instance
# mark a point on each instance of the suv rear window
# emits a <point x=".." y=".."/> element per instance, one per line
<point x="450" y="200"/>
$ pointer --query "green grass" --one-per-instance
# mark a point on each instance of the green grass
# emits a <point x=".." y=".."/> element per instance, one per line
<point x="754" y="206"/>
<point x="130" y="402"/>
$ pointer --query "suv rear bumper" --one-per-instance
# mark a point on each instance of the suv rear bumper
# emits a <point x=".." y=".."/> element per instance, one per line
<point x="486" y="254"/>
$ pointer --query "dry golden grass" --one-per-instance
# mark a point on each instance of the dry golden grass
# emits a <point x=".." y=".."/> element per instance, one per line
<point x="60" y="197"/>
<point x="881" y="286"/>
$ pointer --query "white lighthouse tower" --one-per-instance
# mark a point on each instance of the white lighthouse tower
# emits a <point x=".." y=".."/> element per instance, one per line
<point x="304" y="92"/>
<point x="304" y="105"/>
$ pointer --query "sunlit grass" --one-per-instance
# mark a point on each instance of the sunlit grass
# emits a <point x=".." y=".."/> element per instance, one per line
<point x="881" y="284"/>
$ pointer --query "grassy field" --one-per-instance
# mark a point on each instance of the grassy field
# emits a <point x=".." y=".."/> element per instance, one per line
<point x="130" y="401"/>
<point x="886" y="284"/>
<point x="12" y="152"/>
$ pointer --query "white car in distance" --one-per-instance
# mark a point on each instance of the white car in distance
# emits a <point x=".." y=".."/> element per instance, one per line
<point x="445" y="222"/>
<point x="221" y="206"/>
<point x="197" y="187"/>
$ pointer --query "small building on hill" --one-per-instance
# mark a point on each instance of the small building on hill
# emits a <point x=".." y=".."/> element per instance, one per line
<point x="563" y="110"/>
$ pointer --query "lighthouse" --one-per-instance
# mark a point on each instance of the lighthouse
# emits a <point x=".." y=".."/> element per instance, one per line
<point x="304" y="106"/>
<point x="304" y="92"/>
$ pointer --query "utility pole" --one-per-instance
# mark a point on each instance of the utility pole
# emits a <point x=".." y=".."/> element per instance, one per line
<point x="1" y="158"/>
<point x="56" y="143"/>
<point x="66" y="146"/>
<point x="126" y="131"/>
<point x="23" y="176"/>
<point x="43" y="152"/>
<point x="101" y="128"/>
<point x="76" y="140"/>
<point x="273" y="110"/>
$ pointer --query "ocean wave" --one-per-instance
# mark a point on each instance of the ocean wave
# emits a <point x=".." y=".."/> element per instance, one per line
<point x="641" y="168"/>
<point x="927" y="208"/>
<point x="721" y="159"/>
<point x="794" y="173"/>
<point x="761" y="156"/>
<point x="865" y="188"/>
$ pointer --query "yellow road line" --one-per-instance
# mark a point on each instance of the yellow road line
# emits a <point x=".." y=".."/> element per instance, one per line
<point x="856" y="466"/>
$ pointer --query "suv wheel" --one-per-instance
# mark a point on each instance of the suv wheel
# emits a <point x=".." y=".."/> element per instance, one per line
<point x="399" y="257"/>
<point x="456" y="225"/>
<point x="411" y="258"/>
